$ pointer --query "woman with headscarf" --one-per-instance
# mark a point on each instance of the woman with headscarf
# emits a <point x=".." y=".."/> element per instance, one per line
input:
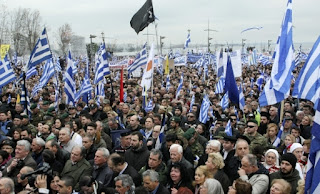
<point x="271" y="162"/>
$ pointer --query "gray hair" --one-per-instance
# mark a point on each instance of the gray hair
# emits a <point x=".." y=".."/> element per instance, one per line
<point x="40" y="141"/>
<point x="66" y="129"/>
<point x="157" y="152"/>
<point x="239" y="141"/>
<point x="8" y="183"/>
<point x="24" y="143"/>
<point x="252" y="159"/>
<point x="126" y="182"/>
<point x="105" y="152"/>
<point x="82" y="149"/>
<point x="154" y="176"/>
<point x="214" y="143"/>
<point x="178" y="146"/>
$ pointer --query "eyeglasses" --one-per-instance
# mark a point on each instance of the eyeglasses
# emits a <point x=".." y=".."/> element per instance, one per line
<point x="191" y="116"/>
<point x="250" y="126"/>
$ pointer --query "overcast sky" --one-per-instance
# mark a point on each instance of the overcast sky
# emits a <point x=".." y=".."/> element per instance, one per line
<point x="228" y="17"/>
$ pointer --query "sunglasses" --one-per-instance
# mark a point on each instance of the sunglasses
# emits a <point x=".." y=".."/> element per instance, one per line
<point x="191" y="116"/>
<point x="250" y="126"/>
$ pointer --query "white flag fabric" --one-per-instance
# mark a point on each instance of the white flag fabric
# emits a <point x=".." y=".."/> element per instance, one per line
<point x="148" y="71"/>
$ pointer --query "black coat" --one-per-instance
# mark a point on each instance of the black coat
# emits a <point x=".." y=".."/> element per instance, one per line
<point x="134" y="175"/>
<point x="162" y="190"/>
<point x="137" y="158"/>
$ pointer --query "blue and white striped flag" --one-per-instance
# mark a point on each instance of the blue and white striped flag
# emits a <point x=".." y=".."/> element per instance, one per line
<point x="228" y="129"/>
<point x="265" y="60"/>
<point x="58" y="66"/>
<point x="48" y="72"/>
<point x="203" y="116"/>
<point x="125" y="95"/>
<point x="220" y="68"/>
<point x="31" y="72"/>
<point x="9" y="99"/>
<point x="168" y="84"/>
<point x="307" y="85"/>
<point x="69" y="85"/>
<point x="6" y="72"/>
<point x="276" y="142"/>
<point x="24" y="99"/>
<point x="260" y="81"/>
<point x="241" y="98"/>
<point x="179" y="86"/>
<point x="225" y="101"/>
<point x="186" y="44"/>
<point x="41" y="51"/>
<point x="192" y="103"/>
<point x="102" y="65"/>
<point x="220" y="85"/>
<point x="75" y="67"/>
<point x="141" y="59"/>
<point x="149" y="106"/>
<point x="312" y="185"/>
<point x="278" y="87"/>
<point x="84" y="89"/>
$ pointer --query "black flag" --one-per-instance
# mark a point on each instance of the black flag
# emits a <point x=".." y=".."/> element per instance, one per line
<point x="143" y="17"/>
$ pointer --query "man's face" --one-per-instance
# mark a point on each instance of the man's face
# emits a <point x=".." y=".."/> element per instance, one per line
<point x="3" y="188"/>
<point x="148" y="184"/>
<point x="251" y="128"/>
<point x="3" y="117"/>
<point x="34" y="146"/>
<point x="22" y="171"/>
<point x="242" y="149"/>
<point x="45" y="129"/>
<point x="148" y="123"/>
<point x="99" y="159"/>
<point x="91" y="131"/>
<point x="156" y="132"/>
<point x="177" y="112"/>
<point x="173" y="124"/>
<point x="125" y="141"/>
<point x="133" y="121"/>
<point x="175" y="156"/>
<point x="17" y="121"/>
<point x="76" y="155"/>
<point x="156" y="121"/>
<point x="63" y="189"/>
<point x="285" y="167"/>
<point x="227" y="145"/>
<point x="21" y="152"/>
<point x="273" y="111"/>
<point x="86" y="143"/>
<point x="125" y="109"/>
<point x="121" y="189"/>
<point x="191" y="117"/>
<point x="245" y="165"/>
<point x="135" y="143"/>
<point x="287" y="124"/>
<point x="24" y="134"/>
<point x="263" y="120"/>
<point x="154" y="161"/>
<point x="63" y="136"/>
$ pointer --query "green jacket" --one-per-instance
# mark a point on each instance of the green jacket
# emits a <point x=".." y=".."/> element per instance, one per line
<point x="162" y="170"/>
<point x="257" y="140"/>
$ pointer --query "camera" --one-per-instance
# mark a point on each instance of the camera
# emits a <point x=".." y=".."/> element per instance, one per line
<point x="44" y="169"/>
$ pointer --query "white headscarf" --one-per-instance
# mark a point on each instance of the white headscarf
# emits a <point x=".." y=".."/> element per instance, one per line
<point x="275" y="152"/>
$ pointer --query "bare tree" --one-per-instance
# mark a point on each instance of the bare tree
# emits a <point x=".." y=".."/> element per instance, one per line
<point x="4" y="33"/>
<point x="33" y="29"/>
<point x="64" y="37"/>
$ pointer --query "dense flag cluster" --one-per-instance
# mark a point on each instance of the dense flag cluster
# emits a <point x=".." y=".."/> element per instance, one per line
<point x="6" y="72"/>
<point x="140" y="60"/>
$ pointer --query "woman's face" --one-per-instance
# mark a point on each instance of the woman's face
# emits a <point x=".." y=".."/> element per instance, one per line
<point x="298" y="152"/>
<point x="175" y="175"/>
<point x="287" y="141"/>
<point x="305" y="120"/>
<point x="54" y="183"/>
<point x="210" y="165"/>
<point x="272" y="132"/>
<point x="199" y="177"/>
<point x="57" y="123"/>
<point x="75" y="126"/>
<point x="16" y="135"/>
<point x="271" y="158"/>
<point x="276" y="188"/>
<point x="232" y="189"/>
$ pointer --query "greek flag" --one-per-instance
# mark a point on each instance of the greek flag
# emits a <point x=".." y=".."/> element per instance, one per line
<point x="236" y="113"/>
<point x="6" y="72"/>
<point x="220" y="64"/>
<point x="225" y="101"/>
<point x="41" y="51"/>
<point x="231" y="85"/>
<point x="241" y="98"/>
<point x="186" y="44"/>
<point x="313" y="166"/>
<point x="75" y="67"/>
<point x="141" y="59"/>
<point x="125" y="97"/>
<point x="9" y="98"/>
<point x="179" y="86"/>
<point x="307" y="85"/>
<point x="48" y="72"/>
<point x="276" y="142"/>
<point x="203" y="116"/>
<point x="284" y="64"/>
<point x="69" y="85"/>
<point x="228" y="129"/>
<point x="220" y="85"/>
<point x="24" y="99"/>
<point x="278" y="87"/>
<point x="31" y="72"/>
<point x="149" y="106"/>
<point x="192" y="103"/>
<point x="58" y="66"/>
<point x="84" y="89"/>
<point x="264" y="60"/>
<point x="260" y="81"/>
<point x="102" y="66"/>
<point x="168" y="82"/>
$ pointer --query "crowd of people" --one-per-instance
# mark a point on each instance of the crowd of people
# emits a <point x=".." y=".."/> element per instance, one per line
<point x="112" y="145"/>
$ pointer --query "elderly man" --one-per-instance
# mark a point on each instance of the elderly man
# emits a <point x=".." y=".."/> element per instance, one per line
<point x="152" y="184"/>
<point x="77" y="166"/>
<point x="176" y="155"/>
<point x="60" y="154"/>
<point x="22" y="158"/>
<point x="101" y="172"/>
<point x="231" y="168"/>
<point x="37" y="147"/>
<point x="118" y="165"/>
<point x="6" y="186"/>
<point x="137" y="156"/>
<point x="134" y="123"/>
<point x="22" y="183"/>
<point x="125" y="142"/>
<point x="124" y="184"/>
<point x="155" y="163"/>
<point x="257" y="172"/>
<point x="65" y="140"/>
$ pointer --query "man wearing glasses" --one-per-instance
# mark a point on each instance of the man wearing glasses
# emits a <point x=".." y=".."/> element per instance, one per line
<point x="256" y="138"/>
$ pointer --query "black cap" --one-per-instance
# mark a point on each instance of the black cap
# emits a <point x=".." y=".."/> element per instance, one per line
<point x="252" y="121"/>
<point x="18" y="116"/>
<point x="230" y="138"/>
<point x="290" y="158"/>
<point x="265" y="114"/>
<point x="239" y="136"/>
<point x="123" y="134"/>
<point x="8" y="142"/>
